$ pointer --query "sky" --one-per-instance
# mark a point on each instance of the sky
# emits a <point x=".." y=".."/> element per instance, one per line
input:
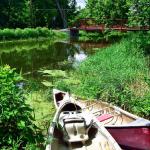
<point x="81" y="3"/>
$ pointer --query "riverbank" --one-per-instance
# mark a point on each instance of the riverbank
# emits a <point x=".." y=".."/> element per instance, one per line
<point x="118" y="74"/>
<point x="107" y="36"/>
<point x="11" y="35"/>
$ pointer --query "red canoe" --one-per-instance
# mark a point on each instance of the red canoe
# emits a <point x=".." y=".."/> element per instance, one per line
<point x="132" y="138"/>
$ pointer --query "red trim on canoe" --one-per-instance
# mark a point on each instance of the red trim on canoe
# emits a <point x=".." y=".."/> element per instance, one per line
<point x="104" y="117"/>
<point x="134" y="138"/>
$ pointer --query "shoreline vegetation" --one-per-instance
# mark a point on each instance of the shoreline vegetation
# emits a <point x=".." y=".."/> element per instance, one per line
<point x="26" y="34"/>
<point x="118" y="74"/>
<point x="107" y="36"/>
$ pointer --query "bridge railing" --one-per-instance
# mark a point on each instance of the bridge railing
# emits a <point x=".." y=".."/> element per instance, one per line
<point x="114" y="24"/>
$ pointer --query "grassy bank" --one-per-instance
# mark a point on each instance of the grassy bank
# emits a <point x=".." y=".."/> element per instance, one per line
<point x="110" y="36"/>
<point x="43" y="109"/>
<point x="118" y="74"/>
<point x="29" y="33"/>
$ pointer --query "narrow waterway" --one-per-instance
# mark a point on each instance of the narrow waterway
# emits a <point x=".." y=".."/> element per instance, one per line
<point x="29" y="57"/>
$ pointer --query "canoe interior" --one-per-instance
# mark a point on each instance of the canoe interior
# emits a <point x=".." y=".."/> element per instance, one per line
<point x="71" y="107"/>
<point x="99" y="108"/>
<point x="69" y="133"/>
<point x="96" y="141"/>
<point x="129" y="131"/>
<point x="59" y="97"/>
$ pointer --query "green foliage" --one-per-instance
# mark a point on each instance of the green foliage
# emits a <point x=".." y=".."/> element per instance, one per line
<point x="114" y="36"/>
<point x="133" y="12"/>
<point x="105" y="11"/>
<point x="117" y="74"/>
<point x="9" y="34"/>
<point x="142" y="41"/>
<point x="54" y="77"/>
<point x="60" y="35"/>
<point x="54" y="73"/>
<point x="35" y="13"/>
<point x="111" y="36"/>
<point x="84" y="36"/>
<point x="58" y="79"/>
<point x="14" y="13"/>
<point x="44" y="109"/>
<point x="138" y="13"/>
<point x="16" y="121"/>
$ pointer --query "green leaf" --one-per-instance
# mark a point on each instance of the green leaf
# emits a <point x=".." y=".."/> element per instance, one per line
<point x="21" y="124"/>
<point x="47" y="83"/>
<point x="54" y="73"/>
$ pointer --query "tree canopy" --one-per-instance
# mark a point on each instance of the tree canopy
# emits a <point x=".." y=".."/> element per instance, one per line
<point x="136" y="12"/>
<point x="57" y="13"/>
<point x="33" y="13"/>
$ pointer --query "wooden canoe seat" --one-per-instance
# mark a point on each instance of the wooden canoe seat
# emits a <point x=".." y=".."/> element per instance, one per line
<point x="104" y="117"/>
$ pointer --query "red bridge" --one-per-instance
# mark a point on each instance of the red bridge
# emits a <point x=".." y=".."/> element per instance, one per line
<point x="90" y="25"/>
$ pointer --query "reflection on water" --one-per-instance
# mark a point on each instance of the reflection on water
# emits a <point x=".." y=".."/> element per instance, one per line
<point x="90" y="45"/>
<point x="80" y="56"/>
<point x="33" y="56"/>
<point x="77" y="58"/>
<point x="30" y="57"/>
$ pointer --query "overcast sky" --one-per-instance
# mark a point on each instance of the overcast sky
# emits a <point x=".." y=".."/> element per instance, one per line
<point x="81" y="3"/>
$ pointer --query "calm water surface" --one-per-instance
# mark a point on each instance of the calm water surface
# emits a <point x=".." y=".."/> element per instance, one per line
<point x="31" y="56"/>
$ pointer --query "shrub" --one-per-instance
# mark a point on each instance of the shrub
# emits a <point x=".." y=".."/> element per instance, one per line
<point x="142" y="41"/>
<point x="16" y="121"/>
<point x="19" y="33"/>
<point x="10" y="34"/>
<point x="45" y="32"/>
<point x="107" y="35"/>
<point x="89" y="36"/>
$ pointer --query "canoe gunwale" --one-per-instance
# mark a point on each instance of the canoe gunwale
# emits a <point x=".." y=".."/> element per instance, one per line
<point x="126" y="126"/>
<point x="115" y="108"/>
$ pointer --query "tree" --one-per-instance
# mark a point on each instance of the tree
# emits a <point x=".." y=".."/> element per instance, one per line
<point x="108" y="11"/>
<point x="13" y="13"/>
<point x="33" y="13"/>
<point x="139" y="12"/>
<point x="62" y="13"/>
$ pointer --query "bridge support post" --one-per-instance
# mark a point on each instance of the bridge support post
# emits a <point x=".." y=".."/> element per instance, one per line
<point x="74" y="34"/>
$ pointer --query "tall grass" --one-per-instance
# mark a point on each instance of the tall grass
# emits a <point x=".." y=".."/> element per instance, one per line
<point x="15" y="34"/>
<point x="117" y="74"/>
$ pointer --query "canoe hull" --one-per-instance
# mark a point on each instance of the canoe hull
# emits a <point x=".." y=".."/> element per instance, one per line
<point x="72" y="129"/>
<point x="135" y="138"/>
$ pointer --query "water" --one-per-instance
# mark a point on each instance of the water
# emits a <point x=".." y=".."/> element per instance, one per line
<point x="31" y="56"/>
